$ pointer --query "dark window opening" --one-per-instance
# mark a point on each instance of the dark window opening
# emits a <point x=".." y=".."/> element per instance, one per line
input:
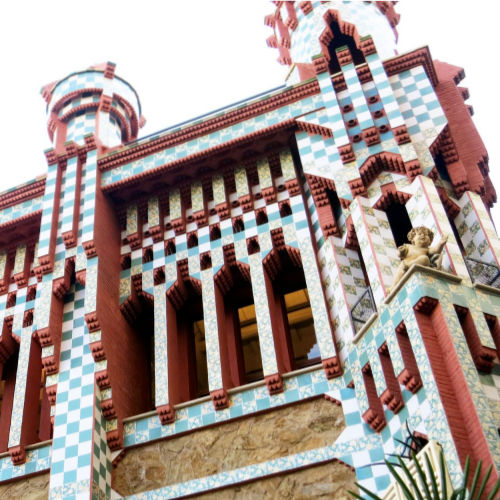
<point x="441" y="167"/>
<point x="200" y="355"/>
<point x="170" y="247"/>
<point x="147" y="255"/>
<point x="399" y="221"/>
<point x="341" y="40"/>
<point x="144" y="329"/>
<point x="7" y="399"/>
<point x="238" y="225"/>
<point x="240" y="331"/>
<point x="457" y="237"/>
<point x="192" y="240"/>
<point x="298" y="345"/>
<point x="301" y="327"/>
<point x="335" y="206"/>
<point x="187" y="352"/>
<point x="261" y="218"/>
<point x="215" y="233"/>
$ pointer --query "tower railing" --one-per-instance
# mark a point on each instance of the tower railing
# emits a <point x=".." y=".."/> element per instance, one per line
<point x="483" y="272"/>
<point x="363" y="309"/>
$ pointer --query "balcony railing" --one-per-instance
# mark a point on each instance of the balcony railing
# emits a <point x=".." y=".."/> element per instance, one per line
<point x="363" y="309"/>
<point x="483" y="272"/>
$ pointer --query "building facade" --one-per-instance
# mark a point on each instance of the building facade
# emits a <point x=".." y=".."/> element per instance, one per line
<point x="211" y="311"/>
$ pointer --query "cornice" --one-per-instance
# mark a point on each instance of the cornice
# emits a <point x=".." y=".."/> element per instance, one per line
<point x="22" y="193"/>
<point x="199" y="129"/>
<point x="290" y="124"/>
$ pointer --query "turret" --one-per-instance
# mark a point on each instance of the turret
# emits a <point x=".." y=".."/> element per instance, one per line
<point x="304" y="30"/>
<point x="93" y="101"/>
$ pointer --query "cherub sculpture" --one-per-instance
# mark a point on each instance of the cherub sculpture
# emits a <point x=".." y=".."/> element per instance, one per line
<point x="419" y="251"/>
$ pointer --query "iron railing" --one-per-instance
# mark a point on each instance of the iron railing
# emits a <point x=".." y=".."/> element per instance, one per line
<point x="483" y="272"/>
<point x="363" y="309"/>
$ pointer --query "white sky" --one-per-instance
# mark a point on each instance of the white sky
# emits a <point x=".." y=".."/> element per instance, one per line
<point x="187" y="58"/>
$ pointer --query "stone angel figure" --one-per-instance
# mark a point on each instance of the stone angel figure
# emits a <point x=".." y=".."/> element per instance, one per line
<point x="419" y="251"/>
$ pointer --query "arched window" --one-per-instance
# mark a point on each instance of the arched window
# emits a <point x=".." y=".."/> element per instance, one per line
<point x="239" y="339"/>
<point x="187" y="353"/>
<point x="341" y="40"/>
<point x="291" y="313"/>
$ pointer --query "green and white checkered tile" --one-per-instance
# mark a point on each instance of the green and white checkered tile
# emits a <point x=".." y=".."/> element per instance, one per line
<point x="72" y="446"/>
<point x="101" y="454"/>
<point x="423" y="115"/>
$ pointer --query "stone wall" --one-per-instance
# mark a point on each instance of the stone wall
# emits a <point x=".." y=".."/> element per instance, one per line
<point x="331" y="480"/>
<point x="225" y="447"/>
<point x="32" y="488"/>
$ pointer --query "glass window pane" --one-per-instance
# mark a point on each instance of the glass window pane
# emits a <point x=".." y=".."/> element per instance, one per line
<point x="250" y="343"/>
<point x="301" y="325"/>
<point x="200" y="350"/>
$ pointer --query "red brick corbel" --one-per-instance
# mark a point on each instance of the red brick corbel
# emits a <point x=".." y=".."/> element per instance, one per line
<point x="332" y="367"/>
<point x="346" y="153"/>
<point x="219" y="399"/>
<point x="51" y="391"/>
<point x="306" y="7"/>
<point x="115" y="439"/>
<point x="166" y="413"/>
<point x="371" y="136"/>
<point x="274" y="384"/>
<point x="367" y="46"/>
<point x="92" y="321"/>
<point x="401" y="135"/>
<point x="17" y="455"/>
<point x="102" y="379"/>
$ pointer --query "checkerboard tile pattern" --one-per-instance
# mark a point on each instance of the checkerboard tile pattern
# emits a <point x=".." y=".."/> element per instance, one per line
<point x="47" y="211"/>
<point x="87" y="223"/>
<point x="101" y="454"/>
<point x="368" y="21"/>
<point x="37" y="460"/>
<point x="68" y="199"/>
<point x="72" y="444"/>
<point x="79" y="126"/>
<point x="423" y="115"/>
<point x="94" y="80"/>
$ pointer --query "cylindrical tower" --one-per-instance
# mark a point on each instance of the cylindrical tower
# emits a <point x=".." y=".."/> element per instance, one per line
<point x="94" y="101"/>
<point x="303" y="30"/>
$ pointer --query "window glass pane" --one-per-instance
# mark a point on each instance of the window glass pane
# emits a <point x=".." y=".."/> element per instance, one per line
<point x="200" y="350"/>
<point x="250" y="343"/>
<point x="301" y="325"/>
